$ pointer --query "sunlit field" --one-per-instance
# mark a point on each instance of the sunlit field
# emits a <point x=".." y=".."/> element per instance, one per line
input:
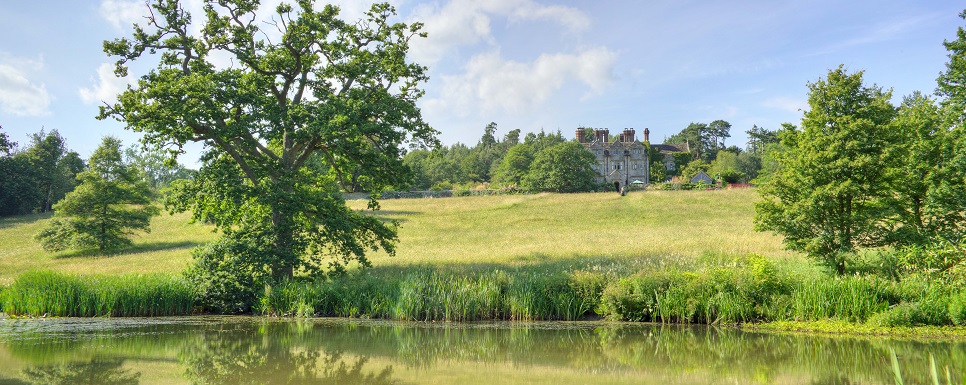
<point x="507" y="230"/>
<point x="523" y="228"/>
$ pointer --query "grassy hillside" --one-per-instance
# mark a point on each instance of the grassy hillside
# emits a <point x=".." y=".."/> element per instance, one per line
<point x="166" y="248"/>
<point x="471" y="230"/>
<point x="521" y="228"/>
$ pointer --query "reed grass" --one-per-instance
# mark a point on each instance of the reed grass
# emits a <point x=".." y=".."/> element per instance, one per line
<point x="746" y="289"/>
<point x="47" y="293"/>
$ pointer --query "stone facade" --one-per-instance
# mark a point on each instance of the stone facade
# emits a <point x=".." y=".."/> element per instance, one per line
<point x="621" y="162"/>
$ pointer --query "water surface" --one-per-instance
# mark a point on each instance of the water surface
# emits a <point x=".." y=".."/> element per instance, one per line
<point x="252" y="350"/>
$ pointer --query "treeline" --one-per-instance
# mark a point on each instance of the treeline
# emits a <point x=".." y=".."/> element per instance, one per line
<point x="709" y="153"/>
<point x="549" y="162"/>
<point x="35" y="177"/>
<point x="540" y="162"/>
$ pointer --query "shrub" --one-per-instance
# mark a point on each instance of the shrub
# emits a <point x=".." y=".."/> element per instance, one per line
<point x="225" y="275"/>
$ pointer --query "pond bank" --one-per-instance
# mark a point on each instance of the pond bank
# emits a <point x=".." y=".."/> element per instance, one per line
<point x="715" y="290"/>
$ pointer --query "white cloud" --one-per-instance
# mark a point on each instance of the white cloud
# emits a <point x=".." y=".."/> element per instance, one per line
<point x="492" y="84"/>
<point x="122" y="14"/>
<point x="467" y="22"/>
<point x="18" y="94"/>
<point x="785" y="103"/>
<point x="106" y="87"/>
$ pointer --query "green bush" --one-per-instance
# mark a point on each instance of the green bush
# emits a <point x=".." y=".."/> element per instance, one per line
<point x="226" y="274"/>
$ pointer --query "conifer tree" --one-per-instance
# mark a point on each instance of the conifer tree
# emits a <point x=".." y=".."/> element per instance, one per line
<point x="111" y="204"/>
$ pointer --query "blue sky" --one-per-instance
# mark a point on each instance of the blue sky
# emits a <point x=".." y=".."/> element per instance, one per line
<point x="532" y="64"/>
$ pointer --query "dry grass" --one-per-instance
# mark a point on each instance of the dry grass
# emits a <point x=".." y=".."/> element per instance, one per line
<point x="471" y="230"/>
<point x="526" y="228"/>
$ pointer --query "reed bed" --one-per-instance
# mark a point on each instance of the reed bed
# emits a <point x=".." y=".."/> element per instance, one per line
<point x="710" y="291"/>
<point x="46" y="293"/>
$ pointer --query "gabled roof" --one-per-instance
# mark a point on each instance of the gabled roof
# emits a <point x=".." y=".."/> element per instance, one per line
<point x="670" y="147"/>
<point x="701" y="176"/>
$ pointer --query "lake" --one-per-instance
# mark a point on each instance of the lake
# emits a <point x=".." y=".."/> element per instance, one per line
<point x="256" y="350"/>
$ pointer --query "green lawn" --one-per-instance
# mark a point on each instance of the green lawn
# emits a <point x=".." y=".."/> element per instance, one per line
<point x="471" y="230"/>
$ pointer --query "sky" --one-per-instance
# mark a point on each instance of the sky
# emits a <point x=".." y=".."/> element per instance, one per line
<point x="530" y="64"/>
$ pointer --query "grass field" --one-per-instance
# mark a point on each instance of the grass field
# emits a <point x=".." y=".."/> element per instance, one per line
<point x="527" y="228"/>
<point x="167" y="248"/>
<point x="503" y="230"/>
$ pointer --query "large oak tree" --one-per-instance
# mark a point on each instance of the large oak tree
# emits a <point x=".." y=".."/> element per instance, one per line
<point x="305" y="98"/>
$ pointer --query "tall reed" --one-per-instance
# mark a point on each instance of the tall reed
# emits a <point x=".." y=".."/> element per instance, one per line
<point x="49" y="293"/>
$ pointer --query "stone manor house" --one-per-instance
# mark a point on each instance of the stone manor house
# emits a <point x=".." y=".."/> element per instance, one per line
<point x="626" y="160"/>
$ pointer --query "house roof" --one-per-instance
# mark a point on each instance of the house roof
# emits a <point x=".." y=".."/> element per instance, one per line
<point x="670" y="147"/>
<point x="701" y="176"/>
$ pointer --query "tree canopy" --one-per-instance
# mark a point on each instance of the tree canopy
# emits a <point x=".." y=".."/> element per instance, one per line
<point x="308" y="99"/>
<point x="828" y="196"/>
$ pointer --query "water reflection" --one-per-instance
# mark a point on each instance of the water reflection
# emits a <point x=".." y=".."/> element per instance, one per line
<point x="94" y="372"/>
<point x="265" y="351"/>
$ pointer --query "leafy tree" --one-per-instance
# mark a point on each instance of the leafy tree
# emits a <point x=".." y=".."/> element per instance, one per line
<point x="718" y="131"/>
<point x="33" y="179"/>
<point x="917" y="166"/>
<point x="111" y="203"/>
<point x="692" y="168"/>
<point x="726" y="165"/>
<point x="341" y="92"/>
<point x="759" y="137"/>
<point x="156" y="164"/>
<point x="54" y="167"/>
<point x="515" y="166"/>
<point x="828" y="196"/>
<point x="948" y="193"/>
<point x="565" y="167"/>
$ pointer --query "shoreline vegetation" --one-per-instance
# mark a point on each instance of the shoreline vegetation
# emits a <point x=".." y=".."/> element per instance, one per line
<point x="751" y="292"/>
<point x="442" y="273"/>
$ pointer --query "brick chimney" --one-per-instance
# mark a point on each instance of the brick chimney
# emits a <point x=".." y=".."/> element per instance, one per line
<point x="647" y="133"/>
<point x="628" y="136"/>
<point x="580" y="135"/>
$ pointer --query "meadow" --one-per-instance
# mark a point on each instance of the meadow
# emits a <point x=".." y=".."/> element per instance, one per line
<point x="655" y="256"/>
<point x="487" y="231"/>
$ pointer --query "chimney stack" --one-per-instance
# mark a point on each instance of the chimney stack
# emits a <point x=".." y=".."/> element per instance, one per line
<point x="580" y="135"/>
<point x="647" y="133"/>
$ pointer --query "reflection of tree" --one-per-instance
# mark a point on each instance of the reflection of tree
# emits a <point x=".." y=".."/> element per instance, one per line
<point x="272" y="357"/>
<point x="96" y="372"/>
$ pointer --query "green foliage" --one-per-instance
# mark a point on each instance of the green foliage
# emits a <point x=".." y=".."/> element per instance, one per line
<point x="693" y="168"/>
<point x="327" y="104"/>
<point x="33" y="179"/>
<point x="704" y="140"/>
<point x="828" y="197"/>
<point x="514" y="166"/>
<point x="61" y="295"/>
<point x="726" y="165"/>
<point x="565" y="167"/>
<point x="111" y="204"/>
<point x="159" y="168"/>
<point x="659" y="172"/>
<point x="957" y="308"/>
